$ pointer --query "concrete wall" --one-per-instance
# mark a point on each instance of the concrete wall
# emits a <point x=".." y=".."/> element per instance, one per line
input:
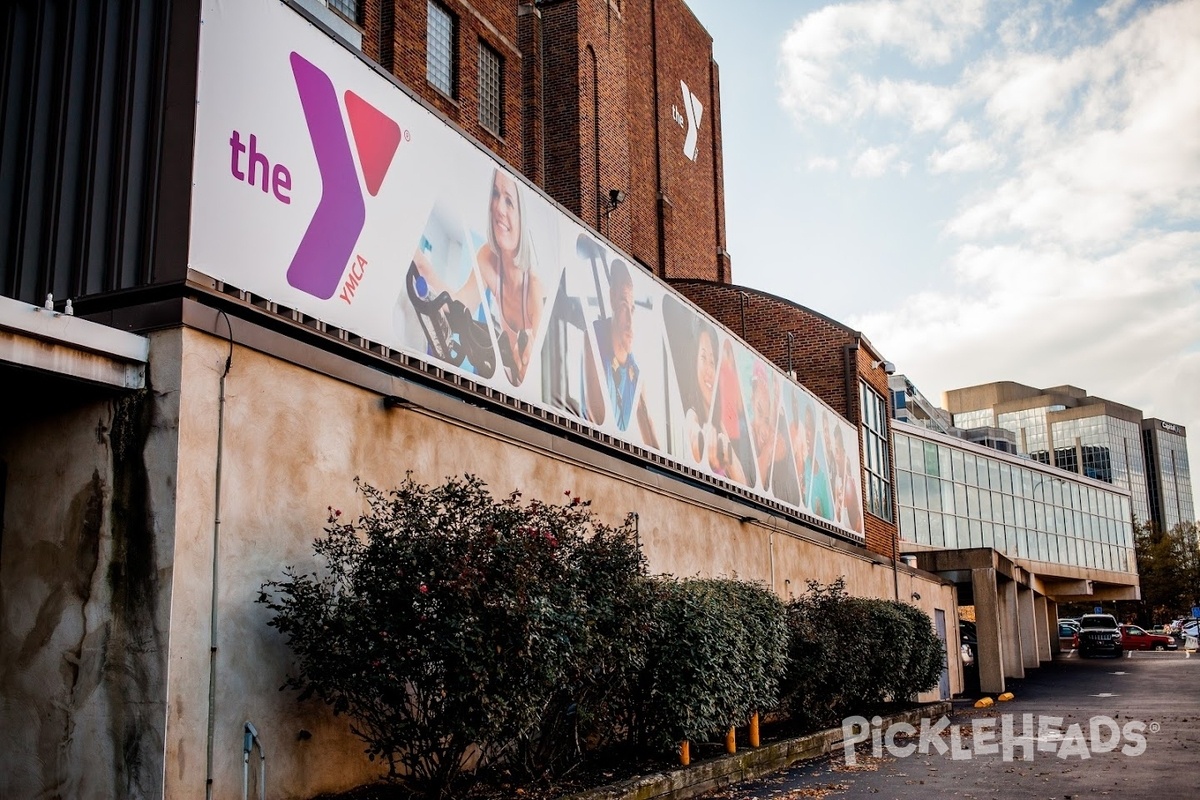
<point x="85" y="576"/>
<point x="109" y="541"/>
<point x="293" y="441"/>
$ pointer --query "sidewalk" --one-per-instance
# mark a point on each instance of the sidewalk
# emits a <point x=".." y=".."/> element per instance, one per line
<point x="773" y="757"/>
<point x="1113" y="728"/>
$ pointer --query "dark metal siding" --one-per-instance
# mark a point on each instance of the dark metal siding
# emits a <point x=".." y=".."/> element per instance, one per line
<point x="88" y="158"/>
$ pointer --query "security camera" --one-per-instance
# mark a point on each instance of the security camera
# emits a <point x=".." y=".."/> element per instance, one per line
<point x="888" y="366"/>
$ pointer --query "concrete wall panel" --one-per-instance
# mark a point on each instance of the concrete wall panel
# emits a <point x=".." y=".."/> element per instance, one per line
<point x="85" y="576"/>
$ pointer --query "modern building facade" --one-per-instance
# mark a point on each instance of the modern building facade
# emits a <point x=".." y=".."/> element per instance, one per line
<point x="911" y="406"/>
<point x="251" y="250"/>
<point x="1018" y="535"/>
<point x="956" y="495"/>
<point x="1169" y="479"/>
<point x="1066" y="428"/>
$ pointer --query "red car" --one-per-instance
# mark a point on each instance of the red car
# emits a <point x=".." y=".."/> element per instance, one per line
<point x="1135" y="638"/>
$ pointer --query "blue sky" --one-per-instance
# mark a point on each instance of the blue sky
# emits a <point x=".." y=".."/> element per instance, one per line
<point x="989" y="191"/>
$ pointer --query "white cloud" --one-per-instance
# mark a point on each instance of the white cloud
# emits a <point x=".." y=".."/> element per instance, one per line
<point x="822" y="164"/>
<point x="964" y="157"/>
<point x="1102" y="139"/>
<point x="876" y="161"/>
<point x="1119" y="325"/>
<point x="1067" y="140"/>
<point x="1112" y="11"/>
<point x="926" y="107"/>
<point x="817" y="80"/>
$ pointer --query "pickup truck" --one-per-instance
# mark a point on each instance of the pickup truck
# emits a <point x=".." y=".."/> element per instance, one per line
<point x="1135" y="638"/>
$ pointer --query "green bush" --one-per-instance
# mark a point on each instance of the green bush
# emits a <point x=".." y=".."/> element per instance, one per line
<point x="593" y="708"/>
<point x="459" y="631"/>
<point x="849" y="655"/>
<point x="450" y="626"/>
<point x="926" y="656"/>
<point x="717" y="655"/>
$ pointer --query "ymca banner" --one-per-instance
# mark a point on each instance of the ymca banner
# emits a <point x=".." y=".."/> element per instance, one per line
<point x="321" y="186"/>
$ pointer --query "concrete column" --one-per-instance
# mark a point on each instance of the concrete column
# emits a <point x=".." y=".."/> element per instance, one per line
<point x="1052" y="621"/>
<point x="1010" y="630"/>
<point x="1027" y="627"/>
<point x="1046" y="628"/>
<point x="987" y="627"/>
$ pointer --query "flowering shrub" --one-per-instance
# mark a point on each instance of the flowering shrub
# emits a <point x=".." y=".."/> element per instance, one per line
<point x="451" y="626"/>
<point x="457" y="630"/>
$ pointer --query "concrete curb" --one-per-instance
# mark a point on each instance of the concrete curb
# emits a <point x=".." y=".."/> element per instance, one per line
<point x="708" y="776"/>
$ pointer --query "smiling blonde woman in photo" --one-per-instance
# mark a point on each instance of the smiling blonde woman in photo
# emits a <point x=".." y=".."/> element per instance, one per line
<point x="512" y="288"/>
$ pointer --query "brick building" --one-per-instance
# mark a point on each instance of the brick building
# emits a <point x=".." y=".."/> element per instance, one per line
<point x="588" y="103"/>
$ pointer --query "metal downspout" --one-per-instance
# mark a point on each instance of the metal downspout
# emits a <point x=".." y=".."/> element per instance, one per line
<point x="216" y="538"/>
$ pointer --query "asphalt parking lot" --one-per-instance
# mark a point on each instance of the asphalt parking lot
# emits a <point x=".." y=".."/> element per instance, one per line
<point x="1124" y="727"/>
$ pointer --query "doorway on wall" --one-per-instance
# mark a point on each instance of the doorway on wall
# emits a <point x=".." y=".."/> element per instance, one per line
<point x="939" y="622"/>
<point x="3" y="491"/>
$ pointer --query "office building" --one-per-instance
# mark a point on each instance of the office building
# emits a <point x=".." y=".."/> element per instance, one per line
<point x="1018" y="535"/>
<point x="1064" y="427"/>
<point x="1169" y="480"/>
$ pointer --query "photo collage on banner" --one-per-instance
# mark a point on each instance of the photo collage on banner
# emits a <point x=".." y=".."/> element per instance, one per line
<point x="378" y="218"/>
<point x="475" y="289"/>
<point x="602" y="359"/>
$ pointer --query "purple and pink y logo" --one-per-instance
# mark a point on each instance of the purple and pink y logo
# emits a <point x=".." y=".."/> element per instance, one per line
<point x="329" y="242"/>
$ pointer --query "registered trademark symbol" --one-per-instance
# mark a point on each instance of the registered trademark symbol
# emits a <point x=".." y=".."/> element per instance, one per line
<point x="407" y="136"/>
<point x="1155" y="727"/>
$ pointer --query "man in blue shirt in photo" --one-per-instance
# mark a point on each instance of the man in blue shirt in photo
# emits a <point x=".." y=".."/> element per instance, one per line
<point x="614" y="340"/>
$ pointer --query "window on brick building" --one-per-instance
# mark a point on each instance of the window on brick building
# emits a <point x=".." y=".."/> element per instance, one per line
<point x="440" y="51"/>
<point x="350" y="9"/>
<point x="877" y="471"/>
<point x="491" y="90"/>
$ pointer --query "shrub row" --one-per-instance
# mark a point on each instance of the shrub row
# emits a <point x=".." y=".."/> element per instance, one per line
<point x="848" y="654"/>
<point x="458" y="630"/>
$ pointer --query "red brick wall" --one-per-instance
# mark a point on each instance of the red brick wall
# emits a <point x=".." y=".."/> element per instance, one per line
<point x="587" y="113"/>
<point x="529" y="39"/>
<point x="592" y="94"/>
<point x="561" y="112"/>
<point x="601" y="57"/>
<point x="372" y="28"/>
<point x="492" y="21"/>
<point x="828" y="358"/>
<point x="643" y="203"/>
<point x="683" y="52"/>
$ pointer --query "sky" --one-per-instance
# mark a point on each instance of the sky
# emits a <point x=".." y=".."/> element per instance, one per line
<point x="987" y="189"/>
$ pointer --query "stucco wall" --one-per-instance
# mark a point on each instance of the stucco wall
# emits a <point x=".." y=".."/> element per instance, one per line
<point x="85" y="567"/>
<point x="293" y="441"/>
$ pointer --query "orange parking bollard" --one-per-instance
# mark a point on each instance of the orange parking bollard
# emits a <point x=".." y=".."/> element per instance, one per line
<point x="731" y="740"/>
<point x="754" y="730"/>
<point x="685" y="753"/>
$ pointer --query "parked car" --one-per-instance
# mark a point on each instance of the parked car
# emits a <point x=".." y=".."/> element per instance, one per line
<point x="969" y="642"/>
<point x="1190" y="628"/>
<point x="1067" y="631"/>
<point x="1099" y="633"/>
<point x="1135" y="638"/>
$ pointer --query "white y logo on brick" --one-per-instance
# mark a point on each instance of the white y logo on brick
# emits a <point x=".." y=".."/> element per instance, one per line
<point x="694" y="111"/>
